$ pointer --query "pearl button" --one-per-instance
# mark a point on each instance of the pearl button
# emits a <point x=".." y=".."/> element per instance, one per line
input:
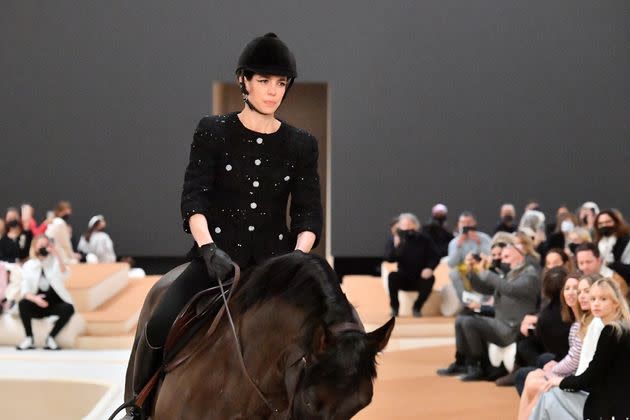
<point x="280" y="236"/>
<point x="257" y="162"/>
<point x="228" y="168"/>
<point x="259" y="140"/>
<point x="286" y="178"/>
<point x="217" y="229"/>
<point x="251" y="228"/>
<point x="253" y="205"/>
<point x="256" y="184"/>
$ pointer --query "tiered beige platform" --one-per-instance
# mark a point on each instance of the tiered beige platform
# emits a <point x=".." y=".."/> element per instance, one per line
<point x="107" y="304"/>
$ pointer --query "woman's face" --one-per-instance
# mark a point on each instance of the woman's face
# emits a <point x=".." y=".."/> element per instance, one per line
<point x="266" y="92"/>
<point x="570" y="292"/>
<point x="552" y="260"/>
<point x="603" y="304"/>
<point x="42" y="243"/>
<point x="604" y="220"/>
<point x="584" y="296"/>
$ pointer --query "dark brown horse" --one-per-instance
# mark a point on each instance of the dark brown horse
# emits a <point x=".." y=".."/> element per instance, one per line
<point x="302" y="345"/>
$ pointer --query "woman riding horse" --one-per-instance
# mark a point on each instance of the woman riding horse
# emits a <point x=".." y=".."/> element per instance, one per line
<point x="243" y="167"/>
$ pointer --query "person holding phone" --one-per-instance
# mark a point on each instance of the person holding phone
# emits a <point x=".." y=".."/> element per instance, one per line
<point x="43" y="292"/>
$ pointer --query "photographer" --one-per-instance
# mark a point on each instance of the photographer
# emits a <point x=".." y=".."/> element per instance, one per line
<point x="43" y="292"/>
<point x="468" y="241"/>
<point x="416" y="255"/>
<point x="514" y="297"/>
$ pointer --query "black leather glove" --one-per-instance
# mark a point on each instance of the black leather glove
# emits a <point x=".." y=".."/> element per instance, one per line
<point x="218" y="262"/>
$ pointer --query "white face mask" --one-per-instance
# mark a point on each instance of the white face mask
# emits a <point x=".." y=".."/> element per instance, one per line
<point x="566" y="226"/>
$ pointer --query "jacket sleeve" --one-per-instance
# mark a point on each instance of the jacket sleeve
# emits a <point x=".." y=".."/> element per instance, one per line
<point x="433" y="254"/>
<point x="598" y="368"/>
<point x="306" y="204"/>
<point x="454" y="258"/>
<point x="199" y="176"/>
<point x="525" y="285"/>
<point x="479" y="285"/>
<point x="31" y="271"/>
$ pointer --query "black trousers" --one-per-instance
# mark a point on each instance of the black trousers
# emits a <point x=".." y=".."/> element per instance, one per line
<point x="399" y="281"/>
<point x="56" y="306"/>
<point x="192" y="280"/>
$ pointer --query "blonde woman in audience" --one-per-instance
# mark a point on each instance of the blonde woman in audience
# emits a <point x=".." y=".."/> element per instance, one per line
<point x="576" y="304"/>
<point x="96" y="242"/>
<point x="526" y="245"/>
<point x="43" y="292"/>
<point x="575" y="238"/>
<point x="601" y="390"/>
<point x="61" y="233"/>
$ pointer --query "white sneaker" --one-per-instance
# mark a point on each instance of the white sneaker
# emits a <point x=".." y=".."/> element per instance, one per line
<point x="26" y="344"/>
<point x="51" y="344"/>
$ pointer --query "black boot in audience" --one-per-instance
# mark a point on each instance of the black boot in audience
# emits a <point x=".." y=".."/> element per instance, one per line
<point x="475" y="372"/>
<point x="453" y="369"/>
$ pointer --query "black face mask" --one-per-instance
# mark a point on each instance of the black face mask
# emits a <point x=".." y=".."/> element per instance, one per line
<point x="440" y="219"/>
<point x="13" y="224"/>
<point x="66" y="218"/>
<point x="572" y="247"/>
<point x="606" y="230"/>
<point x="43" y="251"/>
<point x="508" y="219"/>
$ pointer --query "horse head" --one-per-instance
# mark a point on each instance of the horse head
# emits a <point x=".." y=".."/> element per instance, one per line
<point x="335" y="379"/>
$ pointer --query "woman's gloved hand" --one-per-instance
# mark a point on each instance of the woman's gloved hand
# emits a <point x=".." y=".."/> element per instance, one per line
<point x="218" y="262"/>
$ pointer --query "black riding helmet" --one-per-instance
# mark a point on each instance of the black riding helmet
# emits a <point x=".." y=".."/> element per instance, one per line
<point x="267" y="55"/>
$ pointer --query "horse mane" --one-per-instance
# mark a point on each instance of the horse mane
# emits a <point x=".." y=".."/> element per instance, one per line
<point x="304" y="280"/>
<point x="307" y="281"/>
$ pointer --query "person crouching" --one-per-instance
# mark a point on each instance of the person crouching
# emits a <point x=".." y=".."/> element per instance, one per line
<point x="43" y="292"/>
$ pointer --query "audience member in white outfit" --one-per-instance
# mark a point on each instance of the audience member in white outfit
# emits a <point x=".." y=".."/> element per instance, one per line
<point x="43" y="292"/>
<point x="95" y="243"/>
<point x="61" y="233"/>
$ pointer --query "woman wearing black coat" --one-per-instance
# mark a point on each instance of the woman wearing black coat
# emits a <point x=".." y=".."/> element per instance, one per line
<point x="242" y="169"/>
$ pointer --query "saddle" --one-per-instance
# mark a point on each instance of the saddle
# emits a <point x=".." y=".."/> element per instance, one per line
<point x="206" y="307"/>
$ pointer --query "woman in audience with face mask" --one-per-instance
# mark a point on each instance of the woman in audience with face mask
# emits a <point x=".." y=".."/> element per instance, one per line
<point x="43" y="292"/>
<point x="612" y="236"/>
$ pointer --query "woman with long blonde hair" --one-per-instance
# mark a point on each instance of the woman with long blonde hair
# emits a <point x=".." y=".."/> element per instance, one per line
<point x="576" y="305"/>
<point x="606" y="377"/>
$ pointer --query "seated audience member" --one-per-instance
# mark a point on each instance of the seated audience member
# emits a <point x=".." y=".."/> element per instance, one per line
<point x="467" y="241"/>
<point x="43" y="292"/>
<point x="590" y="262"/>
<point x="557" y="238"/>
<point x="612" y="236"/>
<point x="586" y="216"/>
<point x="28" y="219"/>
<point x="96" y="242"/>
<point x="61" y="233"/>
<point x="514" y="297"/>
<point x="525" y="244"/>
<point x="556" y="257"/>
<point x="22" y="236"/>
<point x="576" y="305"/>
<point x="416" y="256"/>
<point x="575" y="238"/>
<point x="560" y="214"/>
<point x="601" y="390"/>
<point x="437" y="229"/>
<point x="544" y="335"/>
<point x="9" y="249"/>
<point x="507" y="216"/>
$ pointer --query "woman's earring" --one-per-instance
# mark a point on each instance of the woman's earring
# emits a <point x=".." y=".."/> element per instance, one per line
<point x="245" y="97"/>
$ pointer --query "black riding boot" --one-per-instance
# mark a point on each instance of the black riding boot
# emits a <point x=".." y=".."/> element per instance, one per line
<point x="147" y="361"/>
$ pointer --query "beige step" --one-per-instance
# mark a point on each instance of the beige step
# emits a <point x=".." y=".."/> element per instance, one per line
<point x="93" y="342"/>
<point x="91" y="285"/>
<point x="119" y="314"/>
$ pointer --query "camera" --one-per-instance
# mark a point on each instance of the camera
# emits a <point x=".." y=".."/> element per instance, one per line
<point x="467" y="229"/>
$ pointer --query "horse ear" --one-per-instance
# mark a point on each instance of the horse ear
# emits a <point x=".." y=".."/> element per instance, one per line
<point x="322" y="339"/>
<point x="380" y="336"/>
